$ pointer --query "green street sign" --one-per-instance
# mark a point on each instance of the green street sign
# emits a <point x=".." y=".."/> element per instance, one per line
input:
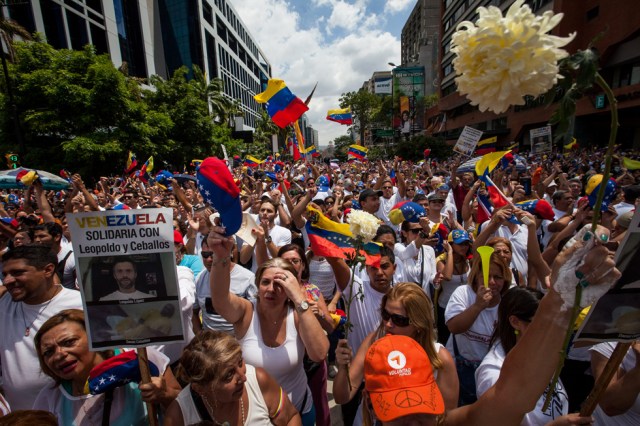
<point x="385" y="133"/>
<point x="600" y="101"/>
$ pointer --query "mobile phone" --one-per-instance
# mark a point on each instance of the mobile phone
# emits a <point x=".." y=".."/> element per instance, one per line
<point x="526" y="184"/>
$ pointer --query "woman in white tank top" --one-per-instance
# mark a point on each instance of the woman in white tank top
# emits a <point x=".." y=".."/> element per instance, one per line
<point x="279" y="321"/>
<point x="225" y="390"/>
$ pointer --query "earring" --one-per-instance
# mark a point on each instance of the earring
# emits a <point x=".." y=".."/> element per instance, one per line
<point x="516" y="332"/>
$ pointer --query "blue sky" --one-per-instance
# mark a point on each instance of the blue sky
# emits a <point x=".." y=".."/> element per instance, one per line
<point x="336" y="43"/>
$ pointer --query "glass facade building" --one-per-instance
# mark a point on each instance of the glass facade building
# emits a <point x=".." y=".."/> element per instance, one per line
<point x="156" y="37"/>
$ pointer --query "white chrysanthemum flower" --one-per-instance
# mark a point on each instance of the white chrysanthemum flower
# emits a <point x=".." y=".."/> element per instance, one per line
<point x="501" y="59"/>
<point x="363" y="224"/>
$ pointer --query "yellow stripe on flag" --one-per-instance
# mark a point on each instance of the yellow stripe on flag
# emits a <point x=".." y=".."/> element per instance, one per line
<point x="630" y="164"/>
<point x="488" y="162"/>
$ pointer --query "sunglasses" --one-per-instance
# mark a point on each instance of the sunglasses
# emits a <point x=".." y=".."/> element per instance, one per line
<point x="128" y="197"/>
<point x="387" y="187"/>
<point x="397" y="320"/>
<point x="415" y="230"/>
<point x="206" y="254"/>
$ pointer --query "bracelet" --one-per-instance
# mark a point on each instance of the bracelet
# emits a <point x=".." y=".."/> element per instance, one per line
<point x="225" y="261"/>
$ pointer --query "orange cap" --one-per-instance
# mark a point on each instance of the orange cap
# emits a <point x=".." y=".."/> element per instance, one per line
<point x="399" y="379"/>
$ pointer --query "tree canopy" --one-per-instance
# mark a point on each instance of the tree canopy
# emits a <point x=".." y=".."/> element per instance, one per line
<point x="77" y="111"/>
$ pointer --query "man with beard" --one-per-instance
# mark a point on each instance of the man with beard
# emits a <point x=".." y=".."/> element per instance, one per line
<point x="31" y="298"/>
<point x="125" y="274"/>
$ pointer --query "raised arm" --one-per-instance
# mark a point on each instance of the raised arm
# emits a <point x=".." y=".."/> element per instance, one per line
<point x="233" y="308"/>
<point x="623" y="389"/>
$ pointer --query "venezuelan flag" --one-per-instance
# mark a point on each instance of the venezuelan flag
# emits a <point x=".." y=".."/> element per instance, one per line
<point x="283" y="106"/>
<point x="342" y="116"/>
<point x="496" y="196"/>
<point x="332" y="239"/>
<point x="312" y="151"/>
<point x="488" y="162"/>
<point x="299" y="139"/>
<point x="486" y="146"/>
<point x="358" y="152"/>
<point x="251" y="161"/>
<point x="132" y="163"/>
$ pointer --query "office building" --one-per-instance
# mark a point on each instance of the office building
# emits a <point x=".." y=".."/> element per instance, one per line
<point x="156" y="37"/>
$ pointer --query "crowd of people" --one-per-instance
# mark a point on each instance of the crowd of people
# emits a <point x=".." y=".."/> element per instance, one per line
<point x="430" y="341"/>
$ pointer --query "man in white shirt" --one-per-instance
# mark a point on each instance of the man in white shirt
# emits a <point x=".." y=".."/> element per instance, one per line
<point x="30" y="300"/>
<point x="631" y="194"/>
<point x="125" y="275"/>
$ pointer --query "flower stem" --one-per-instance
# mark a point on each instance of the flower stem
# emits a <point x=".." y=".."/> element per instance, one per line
<point x="565" y="348"/>
<point x="609" y="155"/>
<point x="347" y="311"/>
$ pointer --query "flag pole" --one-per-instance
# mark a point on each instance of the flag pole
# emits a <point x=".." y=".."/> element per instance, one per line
<point x="145" y="374"/>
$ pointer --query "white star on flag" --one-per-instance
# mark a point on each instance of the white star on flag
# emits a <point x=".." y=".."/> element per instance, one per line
<point x="102" y="381"/>
<point x="112" y="378"/>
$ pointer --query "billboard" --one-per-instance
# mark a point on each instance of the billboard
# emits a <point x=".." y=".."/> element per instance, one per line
<point x="382" y="86"/>
<point x="408" y="100"/>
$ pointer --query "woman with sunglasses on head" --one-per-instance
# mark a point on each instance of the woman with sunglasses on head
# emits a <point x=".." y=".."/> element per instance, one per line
<point x="452" y="268"/>
<point x="405" y="310"/>
<point x="502" y="247"/>
<point x="275" y="330"/>
<point x="316" y="371"/>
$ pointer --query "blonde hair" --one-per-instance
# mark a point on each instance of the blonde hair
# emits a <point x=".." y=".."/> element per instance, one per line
<point x="476" y="271"/>
<point x="206" y="357"/>
<point x="420" y="313"/>
<point x="276" y="262"/>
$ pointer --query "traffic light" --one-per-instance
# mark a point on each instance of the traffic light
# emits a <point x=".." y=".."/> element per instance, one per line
<point x="12" y="161"/>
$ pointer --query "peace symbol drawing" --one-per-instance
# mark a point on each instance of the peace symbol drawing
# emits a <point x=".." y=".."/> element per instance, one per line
<point x="407" y="399"/>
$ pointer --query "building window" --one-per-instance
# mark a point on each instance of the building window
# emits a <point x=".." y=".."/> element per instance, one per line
<point x="99" y="39"/>
<point x="447" y="69"/>
<point x="53" y="24"/>
<point x="77" y="31"/>
<point x="207" y="13"/>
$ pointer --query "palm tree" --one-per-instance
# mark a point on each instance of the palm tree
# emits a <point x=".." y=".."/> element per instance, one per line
<point x="213" y="92"/>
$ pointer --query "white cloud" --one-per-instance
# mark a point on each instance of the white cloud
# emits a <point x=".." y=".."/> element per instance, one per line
<point x="394" y="6"/>
<point x="301" y="54"/>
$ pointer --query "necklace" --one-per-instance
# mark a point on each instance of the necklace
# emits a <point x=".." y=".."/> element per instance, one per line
<point x="226" y="422"/>
<point x="27" y="328"/>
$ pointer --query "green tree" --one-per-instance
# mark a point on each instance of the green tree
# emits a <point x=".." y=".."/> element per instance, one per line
<point x="77" y="111"/>
<point x="341" y="147"/>
<point x="364" y="106"/>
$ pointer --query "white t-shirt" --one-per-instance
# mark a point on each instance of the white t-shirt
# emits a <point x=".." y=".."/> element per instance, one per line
<point x="242" y="284"/>
<point x="414" y="268"/>
<point x="68" y="275"/>
<point x="632" y="416"/>
<point x="22" y="378"/>
<point x="118" y="295"/>
<point x="519" y="241"/>
<point x="473" y="344"/>
<point x="280" y="237"/>
<point x="365" y="312"/>
<point x="487" y="375"/>
<point x="187" y="289"/>
<point x="386" y="204"/>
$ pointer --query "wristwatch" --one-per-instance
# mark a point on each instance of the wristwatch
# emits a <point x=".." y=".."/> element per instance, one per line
<point x="268" y="239"/>
<point x="423" y="235"/>
<point x="302" y="307"/>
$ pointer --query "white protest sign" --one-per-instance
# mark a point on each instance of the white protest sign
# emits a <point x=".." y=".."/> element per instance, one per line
<point x="467" y="141"/>
<point x="540" y="140"/>
<point x="127" y="276"/>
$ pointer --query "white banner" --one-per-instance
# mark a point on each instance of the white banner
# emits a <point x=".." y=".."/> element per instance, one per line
<point x="467" y="141"/>
<point x="127" y="276"/>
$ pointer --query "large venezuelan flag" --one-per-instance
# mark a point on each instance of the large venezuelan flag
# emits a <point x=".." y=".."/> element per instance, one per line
<point x="342" y="116"/>
<point x="358" y="152"/>
<point x="283" y="106"/>
<point x="332" y="239"/>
